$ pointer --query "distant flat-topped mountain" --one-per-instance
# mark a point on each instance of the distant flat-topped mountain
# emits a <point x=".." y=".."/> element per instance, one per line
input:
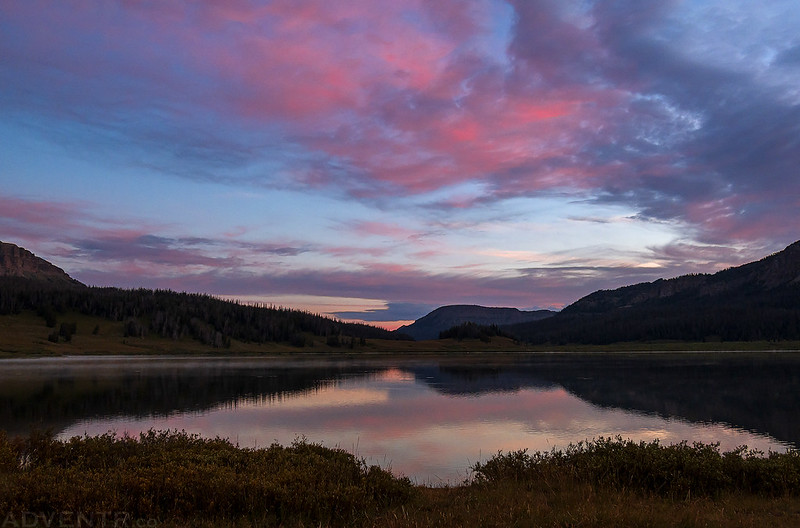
<point x="21" y="263"/>
<point x="756" y="301"/>
<point x="446" y="317"/>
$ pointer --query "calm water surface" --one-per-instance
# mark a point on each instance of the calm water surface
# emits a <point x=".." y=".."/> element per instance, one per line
<point x="429" y="419"/>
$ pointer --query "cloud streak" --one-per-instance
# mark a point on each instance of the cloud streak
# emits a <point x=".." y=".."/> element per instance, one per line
<point x="412" y="143"/>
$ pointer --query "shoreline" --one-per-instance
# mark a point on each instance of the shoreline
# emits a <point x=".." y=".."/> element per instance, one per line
<point x="466" y="353"/>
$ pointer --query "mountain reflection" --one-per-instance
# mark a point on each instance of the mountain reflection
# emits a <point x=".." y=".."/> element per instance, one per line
<point x="52" y="395"/>
<point x="756" y="392"/>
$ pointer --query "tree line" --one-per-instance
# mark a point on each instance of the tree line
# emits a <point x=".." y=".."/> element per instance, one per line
<point x="169" y="314"/>
<point x="771" y="316"/>
<point x="470" y="330"/>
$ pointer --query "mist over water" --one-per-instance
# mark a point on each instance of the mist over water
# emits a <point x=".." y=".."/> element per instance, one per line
<point x="430" y="419"/>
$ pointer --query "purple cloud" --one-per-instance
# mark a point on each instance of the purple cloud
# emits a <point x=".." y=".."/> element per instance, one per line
<point x="425" y="115"/>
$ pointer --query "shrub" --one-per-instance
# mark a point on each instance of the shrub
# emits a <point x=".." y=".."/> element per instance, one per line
<point x="173" y="475"/>
<point x="677" y="470"/>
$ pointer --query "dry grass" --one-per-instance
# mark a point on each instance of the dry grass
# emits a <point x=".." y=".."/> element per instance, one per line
<point x="177" y="477"/>
<point x="172" y="479"/>
<point x="585" y="505"/>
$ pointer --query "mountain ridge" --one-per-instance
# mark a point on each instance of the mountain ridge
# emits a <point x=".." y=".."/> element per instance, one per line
<point x="782" y="267"/>
<point x="446" y="317"/>
<point x="16" y="261"/>
<point x="759" y="300"/>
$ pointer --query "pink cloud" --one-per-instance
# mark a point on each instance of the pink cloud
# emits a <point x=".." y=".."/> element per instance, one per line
<point x="41" y="221"/>
<point x="350" y="251"/>
<point x="298" y="60"/>
<point x="398" y="92"/>
<point x="384" y="230"/>
<point x="744" y="218"/>
<point x="377" y="99"/>
<point x="331" y="66"/>
<point x="40" y="213"/>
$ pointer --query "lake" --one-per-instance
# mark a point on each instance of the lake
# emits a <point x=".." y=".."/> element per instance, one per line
<point x="428" y="418"/>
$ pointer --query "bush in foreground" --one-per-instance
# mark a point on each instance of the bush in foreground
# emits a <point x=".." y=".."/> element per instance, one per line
<point x="676" y="471"/>
<point x="173" y="475"/>
<point x="176" y="479"/>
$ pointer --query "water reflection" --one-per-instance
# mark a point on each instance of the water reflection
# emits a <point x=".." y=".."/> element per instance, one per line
<point x="429" y="419"/>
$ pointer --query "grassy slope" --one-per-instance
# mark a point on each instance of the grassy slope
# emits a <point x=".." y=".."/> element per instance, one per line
<point x="25" y="335"/>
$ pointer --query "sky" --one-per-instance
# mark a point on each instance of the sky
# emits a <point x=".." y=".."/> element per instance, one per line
<point x="372" y="160"/>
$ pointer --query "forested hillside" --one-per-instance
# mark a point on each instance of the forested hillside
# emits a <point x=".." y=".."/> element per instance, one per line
<point x="177" y="315"/>
<point x="755" y="302"/>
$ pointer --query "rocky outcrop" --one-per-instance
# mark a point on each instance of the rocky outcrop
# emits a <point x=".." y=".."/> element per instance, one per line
<point x="20" y="263"/>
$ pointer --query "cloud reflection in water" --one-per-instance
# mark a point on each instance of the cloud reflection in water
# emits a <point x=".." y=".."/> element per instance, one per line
<point x="394" y="418"/>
